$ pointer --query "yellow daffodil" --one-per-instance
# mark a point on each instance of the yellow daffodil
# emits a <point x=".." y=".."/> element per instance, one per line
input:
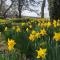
<point x="48" y="24"/>
<point x="27" y="29"/>
<point x="30" y="26"/>
<point x="33" y="32"/>
<point x="18" y="29"/>
<point x="23" y="24"/>
<point x="11" y="44"/>
<point x="38" y="24"/>
<point x="6" y="28"/>
<point x="37" y="35"/>
<point x="55" y="23"/>
<point x="58" y="24"/>
<point x="41" y="53"/>
<point x="43" y="32"/>
<point x="32" y="37"/>
<point x="42" y="25"/>
<point x="45" y="24"/>
<point x="13" y="27"/>
<point x="56" y="36"/>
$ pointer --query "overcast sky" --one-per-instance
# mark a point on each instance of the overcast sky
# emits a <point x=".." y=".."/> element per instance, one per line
<point x="29" y="13"/>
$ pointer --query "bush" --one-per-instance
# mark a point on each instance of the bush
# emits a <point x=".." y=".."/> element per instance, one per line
<point x="1" y="27"/>
<point x="1" y="17"/>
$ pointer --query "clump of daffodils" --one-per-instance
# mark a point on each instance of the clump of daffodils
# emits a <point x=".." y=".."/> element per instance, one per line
<point x="44" y="24"/>
<point x="34" y="35"/>
<point x="11" y="44"/>
<point x="41" y="53"/>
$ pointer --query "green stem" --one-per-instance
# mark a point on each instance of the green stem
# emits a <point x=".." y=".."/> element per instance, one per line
<point x="56" y="49"/>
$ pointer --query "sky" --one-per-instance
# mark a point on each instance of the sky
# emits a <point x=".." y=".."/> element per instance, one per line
<point x="33" y="14"/>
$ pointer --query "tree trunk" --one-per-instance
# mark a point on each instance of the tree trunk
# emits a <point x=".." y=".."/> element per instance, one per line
<point x="1" y="7"/>
<point x="54" y="9"/>
<point x="20" y="7"/>
<point x="42" y="9"/>
<point x="19" y="13"/>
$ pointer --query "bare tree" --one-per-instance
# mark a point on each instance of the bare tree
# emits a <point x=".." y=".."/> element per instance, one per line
<point x="26" y="4"/>
<point x="22" y="5"/>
